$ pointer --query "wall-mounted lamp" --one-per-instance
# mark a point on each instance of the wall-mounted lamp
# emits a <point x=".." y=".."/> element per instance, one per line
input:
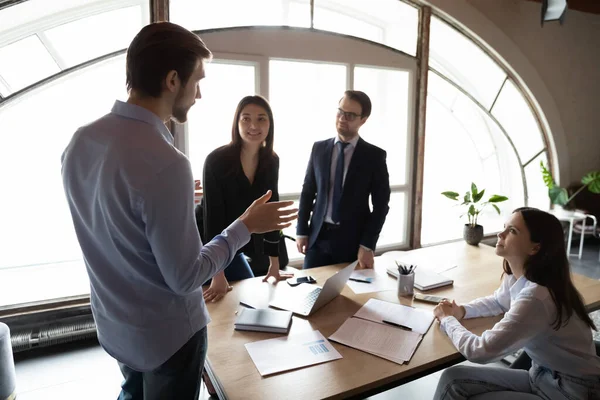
<point x="554" y="10"/>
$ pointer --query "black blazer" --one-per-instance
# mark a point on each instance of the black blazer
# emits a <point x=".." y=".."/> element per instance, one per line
<point x="228" y="193"/>
<point x="367" y="176"/>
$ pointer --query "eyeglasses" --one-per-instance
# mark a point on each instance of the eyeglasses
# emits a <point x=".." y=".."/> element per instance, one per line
<point x="349" y="116"/>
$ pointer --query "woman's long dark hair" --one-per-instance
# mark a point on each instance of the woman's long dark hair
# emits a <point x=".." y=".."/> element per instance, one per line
<point x="549" y="267"/>
<point x="266" y="153"/>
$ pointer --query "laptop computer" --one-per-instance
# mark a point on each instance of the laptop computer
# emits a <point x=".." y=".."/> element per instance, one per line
<point x="305" y="299"/>
<point x="424" y="280"/>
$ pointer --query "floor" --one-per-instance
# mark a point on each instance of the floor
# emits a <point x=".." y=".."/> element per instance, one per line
<point x="84" y="370"/>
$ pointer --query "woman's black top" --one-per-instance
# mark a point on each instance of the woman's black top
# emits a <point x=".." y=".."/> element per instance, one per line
<point x="228" y="193"/>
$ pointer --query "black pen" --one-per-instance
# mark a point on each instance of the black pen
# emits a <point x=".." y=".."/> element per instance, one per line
<point x="397" y="325"/>
<point x="359" y="280"/>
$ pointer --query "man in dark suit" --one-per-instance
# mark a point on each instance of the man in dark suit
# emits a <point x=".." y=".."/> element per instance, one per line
<point x="342" y="173"/>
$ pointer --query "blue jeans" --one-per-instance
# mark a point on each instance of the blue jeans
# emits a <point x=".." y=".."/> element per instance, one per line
<point x="238" y="269"/>
<point x="492" y="383"/>
<point x="178" y="378"/>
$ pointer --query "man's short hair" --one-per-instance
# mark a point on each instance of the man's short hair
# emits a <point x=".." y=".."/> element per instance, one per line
<point x="159" y="48"/>
<point x="362" y="99"/>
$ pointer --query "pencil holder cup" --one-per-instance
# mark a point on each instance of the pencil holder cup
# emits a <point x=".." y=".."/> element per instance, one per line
<point x="406" y="284"/>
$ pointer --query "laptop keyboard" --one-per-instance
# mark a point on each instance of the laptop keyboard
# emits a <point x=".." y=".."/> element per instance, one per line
<point x="309" y="300"/>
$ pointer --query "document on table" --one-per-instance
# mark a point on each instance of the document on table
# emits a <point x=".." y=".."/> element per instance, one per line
<point x="385" y="341"/>
<point x="378" y="311"/>
<point x="291" y="352"/>
<point x="380" y="280"/>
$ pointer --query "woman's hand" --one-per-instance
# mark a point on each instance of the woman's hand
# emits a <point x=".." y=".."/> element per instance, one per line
<point x="449" y="309"/>
<point x="218" y="288"/>
<point x="274" y="271"/>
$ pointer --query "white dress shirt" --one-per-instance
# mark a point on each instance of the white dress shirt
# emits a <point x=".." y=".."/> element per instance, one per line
<point x="527" y="323"/>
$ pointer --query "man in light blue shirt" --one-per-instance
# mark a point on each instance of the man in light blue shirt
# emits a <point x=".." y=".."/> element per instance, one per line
<point x="130" y="192"/>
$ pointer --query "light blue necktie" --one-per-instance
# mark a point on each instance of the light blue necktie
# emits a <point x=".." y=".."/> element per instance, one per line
<point x="338" y="182"/>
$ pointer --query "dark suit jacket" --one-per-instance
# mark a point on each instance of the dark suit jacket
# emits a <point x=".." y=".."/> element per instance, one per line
<point x="367" y="176"/>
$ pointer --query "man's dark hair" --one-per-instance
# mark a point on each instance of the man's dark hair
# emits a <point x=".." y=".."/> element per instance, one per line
<point x="159" y="48"/>
<point x="362" y="99"/>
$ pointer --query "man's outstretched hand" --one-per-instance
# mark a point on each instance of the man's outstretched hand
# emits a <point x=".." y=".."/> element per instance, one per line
<point x="262" y="217"/>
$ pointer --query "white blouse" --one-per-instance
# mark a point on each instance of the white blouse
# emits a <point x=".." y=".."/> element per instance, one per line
<point x="527" y="323"/>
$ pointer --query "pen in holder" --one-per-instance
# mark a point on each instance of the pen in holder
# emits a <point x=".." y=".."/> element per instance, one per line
<point x="406" y="279"/>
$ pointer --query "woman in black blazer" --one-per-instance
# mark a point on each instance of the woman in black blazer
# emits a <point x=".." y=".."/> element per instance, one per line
<point x="234" y="176"/>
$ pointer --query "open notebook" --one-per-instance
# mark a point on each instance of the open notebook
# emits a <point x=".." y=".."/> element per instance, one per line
<point x="387" y="330"/>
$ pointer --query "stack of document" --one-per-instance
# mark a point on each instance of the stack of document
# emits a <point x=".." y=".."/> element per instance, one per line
<point x="387" y="330"/>
<point x="263" y="320"/>
<point x="291" y="352"/>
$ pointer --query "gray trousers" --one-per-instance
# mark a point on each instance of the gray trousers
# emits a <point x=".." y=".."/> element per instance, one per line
<point x="493" y="383"/>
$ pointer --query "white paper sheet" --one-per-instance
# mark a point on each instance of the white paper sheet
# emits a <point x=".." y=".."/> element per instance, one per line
<point x="380" y="278"/>
<point x="378" y="311"/>
<point x="291" y="352"/>
<point x="385" y="341"/>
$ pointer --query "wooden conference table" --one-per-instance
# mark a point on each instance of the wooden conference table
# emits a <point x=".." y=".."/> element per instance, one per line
<point x="478" y="273"/>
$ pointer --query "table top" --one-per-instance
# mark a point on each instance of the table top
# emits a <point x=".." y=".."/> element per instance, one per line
<point x="478" y="274"/>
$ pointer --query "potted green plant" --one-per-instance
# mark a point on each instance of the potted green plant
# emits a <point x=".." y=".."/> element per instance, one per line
<point x="559" y="196"/>
<point x="473" y="232"/>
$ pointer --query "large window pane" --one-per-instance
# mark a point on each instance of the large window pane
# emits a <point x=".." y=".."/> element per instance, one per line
<point x="36" y="230"/>
<point x="463" y="145"/>
<point x="387" y="126"/>
<point x="209" y="14"/>
<point x="304" y="97"/>
<point x="515" y="115"/>
<point x="390" y="22"/>
<point x="394" y="229"/>
<point x="124" y="24"/>
<point x="536" y="189"/>
<point x="25" y="62"/>
<point x="30" y="11"/>
<point x="461" y="60"/>
<point x="36" y="224"/>
<point x="209" y="121"/>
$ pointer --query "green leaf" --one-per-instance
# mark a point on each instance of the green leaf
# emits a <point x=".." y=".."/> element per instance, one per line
<point x="558" y="195"/>
<point x="592" y="179"/>
<point x="547" y="176"/>
<point x="497" y="209"/>
<point x="497" y="198"/>
<point x="472" y="210"/>
<point x="473" y="190"/>
<point x="451" y="195"/>
<point x="478" y="196"/>
<point x="467" y="198"/>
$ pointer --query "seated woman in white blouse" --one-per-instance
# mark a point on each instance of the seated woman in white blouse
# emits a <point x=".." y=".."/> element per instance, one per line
<point x="543" y="313"/>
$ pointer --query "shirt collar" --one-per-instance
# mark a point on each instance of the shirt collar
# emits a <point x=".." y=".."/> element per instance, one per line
<point x="352" y="142"/>
<point x="133" y="111"/>
<point x="516" y="288"/>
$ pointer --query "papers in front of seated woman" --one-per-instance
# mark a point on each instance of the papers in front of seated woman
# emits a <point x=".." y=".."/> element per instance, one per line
<point x="378" y="311"/>
<point x="396" y="339"/>
<point x="291" y="352"/>
<point x="385" y="341"/>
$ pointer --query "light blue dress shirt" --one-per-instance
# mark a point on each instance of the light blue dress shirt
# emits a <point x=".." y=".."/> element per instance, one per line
<point x="131" y="196"/>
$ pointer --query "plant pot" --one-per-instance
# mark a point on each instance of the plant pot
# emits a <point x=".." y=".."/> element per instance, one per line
<point x="473" y="234"/>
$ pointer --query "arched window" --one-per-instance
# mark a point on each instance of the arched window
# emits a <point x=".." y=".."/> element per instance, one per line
<point x="61" y="67"/>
